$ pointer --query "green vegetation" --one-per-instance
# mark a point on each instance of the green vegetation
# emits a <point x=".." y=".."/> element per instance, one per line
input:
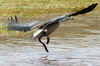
<point x="37" y="8"/>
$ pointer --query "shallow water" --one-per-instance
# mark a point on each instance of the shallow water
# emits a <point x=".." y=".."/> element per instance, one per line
<point x="83" y="51"/>
<point x="73" y="44"/>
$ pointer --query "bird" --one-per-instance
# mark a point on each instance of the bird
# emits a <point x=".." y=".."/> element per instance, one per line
<point x="49" y="27"/>
<point x="15" y="25"/>
<point x="45" y="29"/>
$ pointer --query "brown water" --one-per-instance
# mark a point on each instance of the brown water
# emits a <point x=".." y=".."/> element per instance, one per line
<point x="75" y="43"/>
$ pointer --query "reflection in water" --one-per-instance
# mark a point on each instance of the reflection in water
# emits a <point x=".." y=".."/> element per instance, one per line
<point x="73" y="44"/>
<point x="45" y="60"/>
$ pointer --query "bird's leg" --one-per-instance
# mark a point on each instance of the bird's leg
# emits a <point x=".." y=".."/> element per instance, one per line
<point x="43" y="44"/>
<point x="48" y="38"/>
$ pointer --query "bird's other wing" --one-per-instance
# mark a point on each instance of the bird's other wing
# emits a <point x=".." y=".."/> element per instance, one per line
<point x="15" y="25"/>
<point x="33" y="24"/>
<point x="12" y="23"/>
<point x="85" y="10"/>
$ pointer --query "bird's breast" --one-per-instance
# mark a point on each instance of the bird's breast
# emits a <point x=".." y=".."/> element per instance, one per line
<point x="51" y="28"/>
<point x="38" y="33"/>
<point x="48" y="30"/>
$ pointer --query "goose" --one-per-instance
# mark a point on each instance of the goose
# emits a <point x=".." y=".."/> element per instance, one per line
<point x="45" y="29"/>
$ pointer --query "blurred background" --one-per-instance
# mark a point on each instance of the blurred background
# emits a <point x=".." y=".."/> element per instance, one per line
<point x="74" y="43"/>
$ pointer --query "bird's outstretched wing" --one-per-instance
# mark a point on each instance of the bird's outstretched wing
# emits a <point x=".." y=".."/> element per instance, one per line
<point x="15" y="25"/>
<point x="67" y="17"/>
<point x="85" y="10"/>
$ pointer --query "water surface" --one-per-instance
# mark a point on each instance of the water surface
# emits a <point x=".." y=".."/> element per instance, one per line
<point x="75" y="43"/>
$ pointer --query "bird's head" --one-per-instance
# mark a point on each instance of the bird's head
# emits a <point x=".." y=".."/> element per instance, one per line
<point x="67" y="18"/>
